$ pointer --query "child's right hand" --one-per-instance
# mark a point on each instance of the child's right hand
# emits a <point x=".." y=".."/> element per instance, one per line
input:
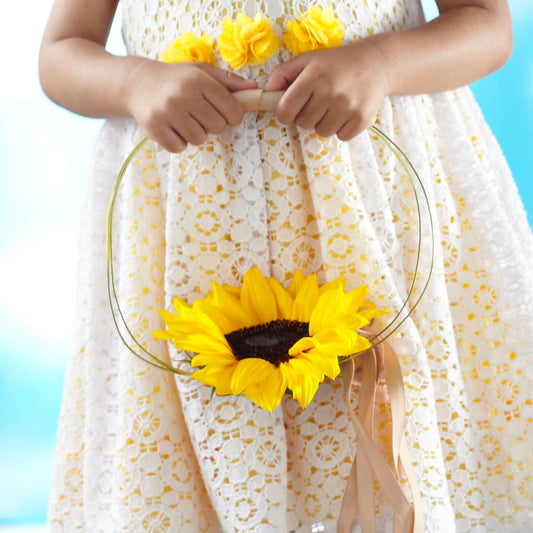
<point x="181" y="103"/>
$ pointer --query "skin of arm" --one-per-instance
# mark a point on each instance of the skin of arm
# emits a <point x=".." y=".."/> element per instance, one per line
<point x="175" y="104"/>
<point x="335" y="91"/>
<point x="339" y="91"/>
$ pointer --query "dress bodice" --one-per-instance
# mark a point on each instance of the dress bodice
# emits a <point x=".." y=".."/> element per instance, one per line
<point x="150" y="25"/>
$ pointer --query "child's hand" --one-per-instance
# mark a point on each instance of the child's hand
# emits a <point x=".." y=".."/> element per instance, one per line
<point x="181" y="103"/>
<point x="334" y="91"/>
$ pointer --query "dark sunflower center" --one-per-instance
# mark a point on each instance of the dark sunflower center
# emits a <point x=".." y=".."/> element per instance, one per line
<point x="270" y="341"/>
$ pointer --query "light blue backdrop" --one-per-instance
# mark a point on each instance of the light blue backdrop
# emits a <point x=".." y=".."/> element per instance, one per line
<point x="44" y="155"/>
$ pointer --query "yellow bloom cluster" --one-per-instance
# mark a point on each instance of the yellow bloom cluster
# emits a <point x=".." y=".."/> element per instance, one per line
<point x="247" y="41"/>
<point x="188" y="47"/>
<point x="315" y="30"/>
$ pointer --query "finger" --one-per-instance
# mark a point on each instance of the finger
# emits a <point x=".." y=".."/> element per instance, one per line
<point x="208" y="116"/>
<point x="312" y="112"/>
<point x="168" y="139"/>
<point x="231" y="81"/>
<point x="225" y="104"/>
<point x="330" y="123"/>
<point x="284" y="74"/>
<point x="349" y="130"/>
<point x="293" y="101"/>
<point x="191" y="130"/>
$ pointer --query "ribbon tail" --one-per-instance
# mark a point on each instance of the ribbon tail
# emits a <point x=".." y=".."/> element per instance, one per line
<point x="369" y="462"/>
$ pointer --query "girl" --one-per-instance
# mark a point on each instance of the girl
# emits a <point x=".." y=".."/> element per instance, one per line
<point x="219" y="191"/>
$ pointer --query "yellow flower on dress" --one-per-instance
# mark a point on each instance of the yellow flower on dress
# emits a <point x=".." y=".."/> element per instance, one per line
<point x="247" y="41"/>
<point x="264" y="340"/>
<point x="188" y="47"/>
<point x="315" y="30"/>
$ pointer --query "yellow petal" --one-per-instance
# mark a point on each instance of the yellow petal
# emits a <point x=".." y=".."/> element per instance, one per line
<point x="296" y="283"/>
<point x="200" y="342"/>
<point x="303" y="379"/>
<point x="220" y="317"/>
<point x="302" y="345"/>
<point x="335" y="308"/>
<point x="218" y="377"/>
<point x="325" y="360"/>
<point x="341" y="341"/>
<point x="249" y="371"/>
<point x="355" y="298"/>
<point x="302" y="366"/>
<point x="305" y="300"/>
<point x="215" y="359"/>
<point x="333" y="284"/>
<point x="237" y="315"/>
<point x="257" y="297"/>
<point x="326" y="310"/>
<point x="283" y="299"/>
<point x="269" y="392"/>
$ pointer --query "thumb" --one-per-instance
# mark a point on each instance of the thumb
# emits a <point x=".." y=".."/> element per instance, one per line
<point x="230" y="80"/>
<point x="284" y="74"/>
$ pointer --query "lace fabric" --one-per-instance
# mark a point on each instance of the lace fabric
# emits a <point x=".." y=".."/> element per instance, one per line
<point x="140" y="450"/>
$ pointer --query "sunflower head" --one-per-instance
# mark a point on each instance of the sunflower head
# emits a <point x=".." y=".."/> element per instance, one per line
<point x="263" y="340"/>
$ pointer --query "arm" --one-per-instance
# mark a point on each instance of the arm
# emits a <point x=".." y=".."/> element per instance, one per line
<point x="174" y="104"/>
<point x="340" y="90"/>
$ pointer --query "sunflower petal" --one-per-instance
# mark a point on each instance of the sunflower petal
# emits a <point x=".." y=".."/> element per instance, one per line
<point x="218" y="377"/>
<point x="305" y="300"/>
<point x="283" y="298"/>
<point x="269" y="392"/>
<point x="335" y="308"/>
<point x="341" y="341"/>
<point x="325" y="360"/>
<point x="296" y="283"/>
<point x="257" y="296"/>
<point x="302" y="345"/>
<point x="226" y="301"/>
<point x="213" y="359"/>
<point x="219" y="316"/>
<point x="249" y="371"/>
<point x="355" y="298"/>
<point x="333" y="284"/>
<point x="303" y="379"/>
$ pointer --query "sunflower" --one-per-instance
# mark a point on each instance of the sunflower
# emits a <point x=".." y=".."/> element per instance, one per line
<point x="264" y="340"/>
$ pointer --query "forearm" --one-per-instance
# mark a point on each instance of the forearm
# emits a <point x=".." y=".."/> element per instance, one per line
<point x="462" y="45"/>
<point x="80" y="75"/>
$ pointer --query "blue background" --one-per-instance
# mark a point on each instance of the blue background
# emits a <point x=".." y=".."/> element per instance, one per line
<point x="43" y="153"/>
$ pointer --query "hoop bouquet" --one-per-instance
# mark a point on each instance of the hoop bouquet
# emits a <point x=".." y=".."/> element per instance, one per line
<point x="265" y="340"/>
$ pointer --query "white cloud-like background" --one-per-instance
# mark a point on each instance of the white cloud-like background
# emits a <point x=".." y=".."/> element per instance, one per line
<point x="44" y="159"/>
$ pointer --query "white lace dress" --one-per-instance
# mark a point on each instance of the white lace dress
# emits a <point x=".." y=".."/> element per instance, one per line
<point x="141" y="451"/>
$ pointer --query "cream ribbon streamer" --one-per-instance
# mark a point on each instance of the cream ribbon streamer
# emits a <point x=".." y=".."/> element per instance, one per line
<point x="369" y="464"/>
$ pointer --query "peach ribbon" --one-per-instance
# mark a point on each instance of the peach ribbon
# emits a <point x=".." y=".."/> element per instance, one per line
<point x="369" y="463"/>
<point x="258" y="100"/>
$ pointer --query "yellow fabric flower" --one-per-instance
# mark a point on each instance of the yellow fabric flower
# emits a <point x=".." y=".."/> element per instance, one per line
<point x="247" y="41"/>
<point x="188" y="47"/>
<point x="262" y="340"/>
<point x="315" y="30"/>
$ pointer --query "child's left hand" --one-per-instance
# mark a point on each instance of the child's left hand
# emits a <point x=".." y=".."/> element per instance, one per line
<point x="333" y="91"/>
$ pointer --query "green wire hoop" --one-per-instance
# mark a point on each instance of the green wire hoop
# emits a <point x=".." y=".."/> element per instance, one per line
<point x="378" y="338"/>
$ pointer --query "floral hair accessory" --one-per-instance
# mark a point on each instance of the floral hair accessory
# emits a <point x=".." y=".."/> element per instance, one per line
<point x="315" y="30"/>
<point x="188" y="47"/>
<point x="246" y="41"/>
<point x="263" y="339"/>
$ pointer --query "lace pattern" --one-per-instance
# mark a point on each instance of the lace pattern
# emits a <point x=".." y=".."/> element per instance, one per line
<point x="139" y="450"/>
